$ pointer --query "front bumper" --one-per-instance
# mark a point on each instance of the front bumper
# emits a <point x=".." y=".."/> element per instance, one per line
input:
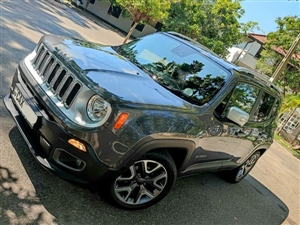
<point x="48" y="141"/>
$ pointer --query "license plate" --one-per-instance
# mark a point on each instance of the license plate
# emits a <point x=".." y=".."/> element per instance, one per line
<point x="27" y="112"/>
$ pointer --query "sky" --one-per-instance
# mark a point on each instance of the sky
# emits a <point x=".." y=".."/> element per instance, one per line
<point x="265" y="12"/>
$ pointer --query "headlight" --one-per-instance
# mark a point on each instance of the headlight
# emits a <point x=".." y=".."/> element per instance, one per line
<point x="97" y="108"/>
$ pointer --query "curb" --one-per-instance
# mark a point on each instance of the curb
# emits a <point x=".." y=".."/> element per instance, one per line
<point x="57" y="4"/>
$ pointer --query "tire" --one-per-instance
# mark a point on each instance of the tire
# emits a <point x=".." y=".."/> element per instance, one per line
<point x="238" y="174"/>
<point x="144" y="183"/>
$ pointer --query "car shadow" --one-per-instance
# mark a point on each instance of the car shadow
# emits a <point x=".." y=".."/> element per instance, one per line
<point x="201" y="199"/>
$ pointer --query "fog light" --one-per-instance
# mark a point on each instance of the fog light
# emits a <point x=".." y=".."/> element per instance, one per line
<point x="78" y="162"/>
<point x="77" y="144"/>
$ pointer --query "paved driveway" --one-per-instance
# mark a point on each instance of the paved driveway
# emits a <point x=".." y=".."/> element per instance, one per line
<point x="31" y="195"/>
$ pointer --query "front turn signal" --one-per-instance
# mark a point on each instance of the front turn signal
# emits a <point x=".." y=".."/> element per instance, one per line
<point x="121" y="120"/>
<point x="77" y="144"/>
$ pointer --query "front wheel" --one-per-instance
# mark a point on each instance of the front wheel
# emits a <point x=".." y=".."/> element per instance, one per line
<point x="145" y="182"/>
<point x="238" y="174"/>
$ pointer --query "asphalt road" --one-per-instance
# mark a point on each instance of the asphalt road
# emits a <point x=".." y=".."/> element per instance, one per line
<point x="31" y="195"/>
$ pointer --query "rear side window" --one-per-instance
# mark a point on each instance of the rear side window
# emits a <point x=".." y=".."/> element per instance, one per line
<point x="266" y="108"/>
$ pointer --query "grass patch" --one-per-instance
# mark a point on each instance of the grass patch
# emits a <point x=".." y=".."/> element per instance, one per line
<point x="286" y="145"/>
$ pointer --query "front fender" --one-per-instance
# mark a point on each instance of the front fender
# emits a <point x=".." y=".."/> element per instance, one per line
<point x="154" y="143"/>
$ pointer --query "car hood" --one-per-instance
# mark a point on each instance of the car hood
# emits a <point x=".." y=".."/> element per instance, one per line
<point x="111" y="75"/>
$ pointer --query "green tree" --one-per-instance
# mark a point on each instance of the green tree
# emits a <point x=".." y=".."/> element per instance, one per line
<point x="290" y="103"/>
<point x="142" y="10"/>
<point x="213" y="23"/>
<point x="249" y="26"/>
<point x="279" y="42"/>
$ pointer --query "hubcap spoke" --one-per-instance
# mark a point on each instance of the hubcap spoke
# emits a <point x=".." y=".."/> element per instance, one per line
<point x="253" y="160"/>
<point x="241" y="172"/>
<point x="154" y="169"/>
<point x="132" y="175"/>
<point x="158" y="178"/>
<point x="126" y="189"/>
<point x="247" y="166"/>
<point x="143" y="169"/>
<point x="144" y="195"/>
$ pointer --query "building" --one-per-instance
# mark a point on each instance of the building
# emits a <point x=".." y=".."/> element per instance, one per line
<point x="247" y="53"/>
<point x="112" y="15"/>
<point x="289" y="125"/>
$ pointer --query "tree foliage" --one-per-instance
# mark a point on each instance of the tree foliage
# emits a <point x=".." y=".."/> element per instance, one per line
<point x="280" y="41"/>
<point x="249" y="26"/>
<point x="290" y="102"/>
<point x="141" y="10"/>
<point x="213" y="23"/>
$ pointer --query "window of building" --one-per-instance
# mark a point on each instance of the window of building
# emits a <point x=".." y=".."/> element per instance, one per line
<point x="292" y="124"/>
<point x="284" y="117"/>
<point x="257" y="55"/>
<point x="114" y="11"/>
<point x="158" y="26"/>
<point x="139" y="27"/>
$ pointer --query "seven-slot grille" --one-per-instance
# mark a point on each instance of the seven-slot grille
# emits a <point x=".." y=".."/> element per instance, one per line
<point x="57" y="78"/>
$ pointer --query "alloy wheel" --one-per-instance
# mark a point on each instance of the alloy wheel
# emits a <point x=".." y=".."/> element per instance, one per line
<point x="141" y="183"/>
<point x="247" y="166"/>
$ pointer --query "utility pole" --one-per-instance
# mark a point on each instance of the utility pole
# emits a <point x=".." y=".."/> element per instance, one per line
<point x="285" y="60"/>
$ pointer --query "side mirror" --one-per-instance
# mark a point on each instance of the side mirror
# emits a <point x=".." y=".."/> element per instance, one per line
<point x="237" y="115"/>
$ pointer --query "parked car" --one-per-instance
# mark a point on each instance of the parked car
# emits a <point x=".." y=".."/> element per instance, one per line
<point x="137" y="116"/>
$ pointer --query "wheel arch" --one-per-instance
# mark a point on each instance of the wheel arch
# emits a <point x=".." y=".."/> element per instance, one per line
<point x="179" y="150"/>
<point x="262" y="151"/>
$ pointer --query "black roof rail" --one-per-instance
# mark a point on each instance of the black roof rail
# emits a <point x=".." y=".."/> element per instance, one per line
<point x="259" y="76"/>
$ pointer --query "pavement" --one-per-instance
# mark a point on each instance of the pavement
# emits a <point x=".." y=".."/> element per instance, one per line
<point x="64" y="5"/>
<point x="31" y="195"/>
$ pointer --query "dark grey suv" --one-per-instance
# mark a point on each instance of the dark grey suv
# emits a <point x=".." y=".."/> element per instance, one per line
<point x="137" y="116"/>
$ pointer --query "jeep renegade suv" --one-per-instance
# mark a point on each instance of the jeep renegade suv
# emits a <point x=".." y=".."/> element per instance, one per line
<point x="137" y="116"/>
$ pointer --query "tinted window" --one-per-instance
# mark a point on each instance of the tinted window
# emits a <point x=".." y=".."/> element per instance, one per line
<point x="264" y="108"/>
<point x="244" y="97"/>
<point x="114" y="11"/>
<point x="178" y="67"/>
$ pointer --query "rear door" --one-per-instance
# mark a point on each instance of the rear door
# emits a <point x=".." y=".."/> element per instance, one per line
<point x="261" y="107"/>
<point x="224" y="142"/>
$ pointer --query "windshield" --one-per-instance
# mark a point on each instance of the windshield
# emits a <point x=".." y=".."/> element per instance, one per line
<point x="176" y="66"/>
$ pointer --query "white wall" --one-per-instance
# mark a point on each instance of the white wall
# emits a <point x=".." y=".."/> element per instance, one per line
<point x="100" y="8"/>
<point x="249" y="61"/>
<point x="254" y="48"/>
<point x="234" y="53"/>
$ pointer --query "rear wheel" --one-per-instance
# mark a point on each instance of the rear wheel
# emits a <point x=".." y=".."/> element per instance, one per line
<point x="238" y="174"/>
<point x="145" y="182"/>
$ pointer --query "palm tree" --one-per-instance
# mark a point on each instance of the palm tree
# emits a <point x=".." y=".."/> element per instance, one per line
<point x="290" y="103"/>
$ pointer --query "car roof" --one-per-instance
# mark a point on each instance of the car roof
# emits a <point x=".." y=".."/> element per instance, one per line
<point x="265" y="80"/>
